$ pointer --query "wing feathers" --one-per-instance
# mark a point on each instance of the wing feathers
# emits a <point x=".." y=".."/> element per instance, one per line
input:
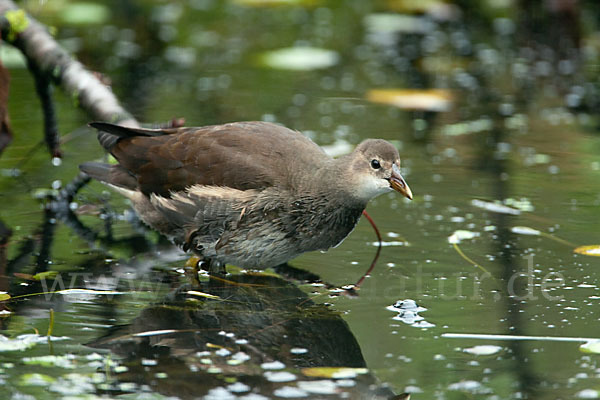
<point x="245" y="155"/>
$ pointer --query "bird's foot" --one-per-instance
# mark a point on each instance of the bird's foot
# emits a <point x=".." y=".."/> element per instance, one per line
<point x="195" y="263"/>
<point x="214" y="268"/>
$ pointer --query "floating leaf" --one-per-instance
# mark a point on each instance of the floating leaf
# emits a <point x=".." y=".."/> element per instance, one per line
<point x="463" y="128"/>
<point x="412" y="99"/>
<point x="273" y="365"/>
<point x="393" y="23"/>
<point x="65" y="361"/>
<point x="460" y="235"/>
<point x="4" y="296"/>
<point x="17" y="344"/>
<point x="323" y="387"/>
<point x="495" y="207"/>
<point x="24" y="342"/>
<point x="522" y="204"/>
<point x="299" y="58"/>
<point x="36" y="379"/>
<point x="483" y="350"/>
<point x="590" y="250"/>
<point x="592" y="346"/>
<point x="85" y="14"/>
<point x="587" y="394"/>
<point x="334" y="372"/>
<point x="525" y="230"/>
<point x="45" y="275"/>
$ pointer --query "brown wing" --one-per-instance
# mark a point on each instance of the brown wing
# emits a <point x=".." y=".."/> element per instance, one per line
<point x="241" y="155"/>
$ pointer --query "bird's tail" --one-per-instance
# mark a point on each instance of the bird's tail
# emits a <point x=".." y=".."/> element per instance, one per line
<point x="109" y="134"/>
<point x="111" y="174"/>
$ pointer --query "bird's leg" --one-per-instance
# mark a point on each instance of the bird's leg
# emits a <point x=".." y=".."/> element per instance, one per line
<point x="191" y="269"/>
<point x="301" y="275"/>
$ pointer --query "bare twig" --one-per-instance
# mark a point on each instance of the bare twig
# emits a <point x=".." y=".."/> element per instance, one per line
<point x="57" y="66"/>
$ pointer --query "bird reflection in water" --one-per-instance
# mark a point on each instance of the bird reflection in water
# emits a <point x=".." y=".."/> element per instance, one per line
<point x="255" y="333"/>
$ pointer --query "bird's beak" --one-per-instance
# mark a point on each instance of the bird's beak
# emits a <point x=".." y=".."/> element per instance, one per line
<point x="398" y="183"/>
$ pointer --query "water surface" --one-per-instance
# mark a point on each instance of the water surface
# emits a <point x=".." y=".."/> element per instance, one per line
<point x="521" y="130"/>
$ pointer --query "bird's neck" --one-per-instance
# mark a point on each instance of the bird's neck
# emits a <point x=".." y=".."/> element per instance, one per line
<point x="334" y="182"/>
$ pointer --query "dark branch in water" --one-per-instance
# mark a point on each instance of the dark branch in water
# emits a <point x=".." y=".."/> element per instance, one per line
<point x="71" y="189"/>
<point x="44" y="91"/>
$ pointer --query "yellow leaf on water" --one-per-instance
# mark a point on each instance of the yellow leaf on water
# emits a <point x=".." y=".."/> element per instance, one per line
<point x="4" y="296"/>
<point x="592" y="346"/>
<point x="413" y="99"/>
<point x="45" y="275"/>
<point x="334" y="372"/>
<point x="590" y="250"/>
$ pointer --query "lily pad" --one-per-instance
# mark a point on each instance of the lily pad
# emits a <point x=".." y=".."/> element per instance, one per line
<point x="437" y="100"/>
<point x="301" y="58"/>
<point x="483" y="350"/>
<point x="589" y="250"/>
<point x="85" y="13"/>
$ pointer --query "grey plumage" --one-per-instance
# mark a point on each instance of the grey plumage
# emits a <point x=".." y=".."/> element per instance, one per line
<point x="253" y="194"/>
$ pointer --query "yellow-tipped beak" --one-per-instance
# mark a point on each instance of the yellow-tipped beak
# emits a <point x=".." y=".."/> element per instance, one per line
<point x="398" y="183"/>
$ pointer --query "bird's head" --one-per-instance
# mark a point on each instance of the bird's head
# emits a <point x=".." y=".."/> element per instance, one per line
<point x="375" y="169"/>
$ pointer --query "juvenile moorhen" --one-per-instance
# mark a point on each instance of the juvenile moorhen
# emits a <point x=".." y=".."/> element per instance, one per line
<point x="252" y="194"/>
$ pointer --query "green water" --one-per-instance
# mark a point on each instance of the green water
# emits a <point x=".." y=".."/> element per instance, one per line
<point x="522" y="129"/>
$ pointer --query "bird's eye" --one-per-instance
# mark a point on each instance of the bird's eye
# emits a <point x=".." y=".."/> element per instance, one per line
<point x="375" y="164"/>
